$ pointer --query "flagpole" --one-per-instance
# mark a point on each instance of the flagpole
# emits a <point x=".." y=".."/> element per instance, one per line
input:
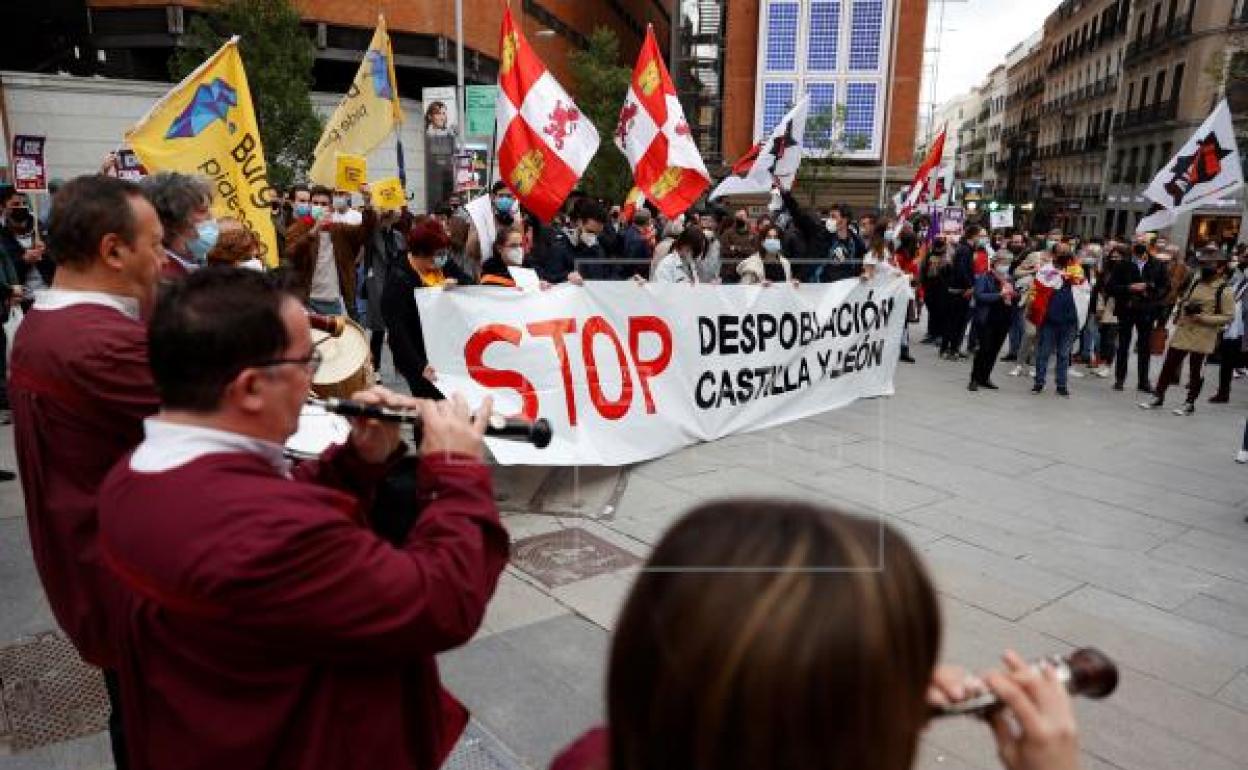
<point x="460" y="107"/>
<point x="888" y="105"/>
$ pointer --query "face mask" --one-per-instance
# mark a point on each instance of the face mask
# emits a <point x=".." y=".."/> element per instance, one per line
<point x="206" y="237"/>
<point x="1050" y="244"/>
<point x="984" y="243"/>
<point x="589" y="239"/>
<point x="317" y="212"/>
<point x="342" y="203"/>
<point x="513" y="255"/>
<point x="832" y="225"/>
<point x="1003" y="270"/>
<point x="303" y="210"/>
<point x="439" y="259"/>
<point x="26" y="241"/>
<point x="503" y="204"/>
<point x="890" y="235"/>
<point x="709" y="234"/>
<point x="771" y="245"/>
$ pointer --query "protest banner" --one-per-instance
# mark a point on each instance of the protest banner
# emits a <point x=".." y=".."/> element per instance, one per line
<point x="1001" y="220"/>
<point x="952" y="221"/>
<point x="30" y="173"/>
<point x="206" y="126"/>
<point x="388" y="193"/>
<point x="479" y="105"/>
<point x="351" y="171"/>
<point x="627" y="373"/>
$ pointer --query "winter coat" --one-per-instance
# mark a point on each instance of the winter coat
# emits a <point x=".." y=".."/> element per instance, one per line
<point x="1198" y="331"/>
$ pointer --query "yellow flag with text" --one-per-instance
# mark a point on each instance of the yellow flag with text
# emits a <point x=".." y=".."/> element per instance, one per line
<point x="206" y="126"/>
<point x="367" y="114"/>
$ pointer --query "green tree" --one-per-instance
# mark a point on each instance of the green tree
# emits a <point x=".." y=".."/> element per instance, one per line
<point x="278" y="57"/>
<point x="601" y="85"/>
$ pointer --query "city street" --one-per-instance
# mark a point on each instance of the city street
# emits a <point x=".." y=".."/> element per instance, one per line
<point x="1048" y="523"/>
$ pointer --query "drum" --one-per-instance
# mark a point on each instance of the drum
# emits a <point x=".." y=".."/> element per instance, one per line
<point x="347" y="366"/>
<point x="318" y="430"/>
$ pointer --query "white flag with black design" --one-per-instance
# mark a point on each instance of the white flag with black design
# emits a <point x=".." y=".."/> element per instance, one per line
<point x="1205" y="169"/>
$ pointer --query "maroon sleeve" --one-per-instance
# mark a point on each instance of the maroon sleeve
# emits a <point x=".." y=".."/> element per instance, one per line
<point x="330" y="590"/>
<point x="589" y="752"/>
<point x="341" y="467"/>
<point x="116" y="372"/>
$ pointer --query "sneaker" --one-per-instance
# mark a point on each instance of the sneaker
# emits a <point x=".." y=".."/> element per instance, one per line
<point x="1102" y="372"/>
<point x="7" y="476"/>
<point x="1219" y="398"/>
<point x="1009" y="359"/>
<point x="1144" y="387"/>
<point x="1186" y="410"/>
<point x="973" y="386"/>
<point x="989" y="384"/>
<point x="960" y="356"/>
<point x="1063" y="393"/>
<point x="1118" y="386"/>
<point x="1239" y="374"/>
<point x="1078" y="375"/>
<point x="906" y="358"/>
<point x="1242" y="457"/>
<point x="1031" y="371"/>
<point x="1156" y="403"/>
<point x="1016" y="371"/>
<point x="1037" y="388"/>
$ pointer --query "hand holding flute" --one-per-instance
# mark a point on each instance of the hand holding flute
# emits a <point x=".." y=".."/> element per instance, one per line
<point x="447" y="427"/>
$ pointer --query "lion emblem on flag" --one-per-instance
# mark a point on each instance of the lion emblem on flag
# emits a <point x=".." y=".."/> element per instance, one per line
<point x="528" y="172"/>
<point x="511" y="43"/>
<point x="669" y="180"/>
<point x="649" y="79"/>
<point x="562" y="124"/>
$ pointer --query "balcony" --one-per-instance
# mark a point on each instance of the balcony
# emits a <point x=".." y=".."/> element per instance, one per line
<point x="1144" y="116"/>
<point x="1178" y="29"/>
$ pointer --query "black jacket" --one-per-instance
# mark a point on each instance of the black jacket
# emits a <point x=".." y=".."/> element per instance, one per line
<point x="14" y="250"/>
<point x="559" y="256"/>
<point x="962" y="276"/>
<point x="1127" y="304"/>
<point x="831" y="256"/>
<point x="407" y="341"/>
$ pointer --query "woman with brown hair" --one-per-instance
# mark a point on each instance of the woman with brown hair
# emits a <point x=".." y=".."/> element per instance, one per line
<point x="767" y="635"/>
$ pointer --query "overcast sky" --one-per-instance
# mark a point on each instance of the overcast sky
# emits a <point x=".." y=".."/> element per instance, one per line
<point x="977" y="36"/>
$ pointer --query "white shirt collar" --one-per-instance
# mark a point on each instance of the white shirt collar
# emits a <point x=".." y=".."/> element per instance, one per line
<point x="186" y="263"/>
<point x="168" y="445"/>
<point x="59" y="299"/>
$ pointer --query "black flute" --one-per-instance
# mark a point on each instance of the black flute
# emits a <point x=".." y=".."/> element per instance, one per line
<point x="1086" y="671"/>
<point x="538" y="432"/>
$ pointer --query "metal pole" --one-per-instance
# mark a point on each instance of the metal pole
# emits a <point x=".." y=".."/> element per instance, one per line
<point x="888" y="105"/>
<point x="460" y="106"/>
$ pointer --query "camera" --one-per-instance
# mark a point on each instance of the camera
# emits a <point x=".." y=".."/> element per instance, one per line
<point x="1192" y="308"/>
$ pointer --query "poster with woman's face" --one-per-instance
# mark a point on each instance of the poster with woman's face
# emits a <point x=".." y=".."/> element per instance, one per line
<point x="441" y="114"/>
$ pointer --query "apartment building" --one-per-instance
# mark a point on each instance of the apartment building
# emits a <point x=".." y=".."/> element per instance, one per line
<point x="1025" y="68"/>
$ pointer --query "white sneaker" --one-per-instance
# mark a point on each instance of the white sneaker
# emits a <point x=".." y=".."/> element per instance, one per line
<point x="1103" y="372"/>
<point x="1016" y="371"/>
<point x="1242" y="457"/>
<point x="1031" y="371"/>
<point x="1077" y="374"/>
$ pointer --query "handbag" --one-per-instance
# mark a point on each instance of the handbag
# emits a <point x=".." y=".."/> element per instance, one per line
<point x="1157" y="340"/>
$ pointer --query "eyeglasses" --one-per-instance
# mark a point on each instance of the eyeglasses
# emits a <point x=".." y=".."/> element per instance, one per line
<point x="311" y="362"/>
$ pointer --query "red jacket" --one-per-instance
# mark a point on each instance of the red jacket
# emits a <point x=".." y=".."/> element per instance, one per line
<point x="80" y="387"/>
<point x="592" y="751"/>
<point x="264" y="626"/>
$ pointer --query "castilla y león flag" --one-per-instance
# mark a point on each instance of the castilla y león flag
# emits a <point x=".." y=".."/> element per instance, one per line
<point x="919" y="187"/>
<point x="655" y="137"/>
<point x="544" y="141"/>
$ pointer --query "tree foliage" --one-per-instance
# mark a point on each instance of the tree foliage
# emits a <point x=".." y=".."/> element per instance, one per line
<point x="278" y="57"/>
<point x="601" y="85"/>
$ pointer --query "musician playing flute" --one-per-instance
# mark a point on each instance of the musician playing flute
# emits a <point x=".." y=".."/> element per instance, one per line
<point x="265" y="625"/>
<point x="80" y="388"/>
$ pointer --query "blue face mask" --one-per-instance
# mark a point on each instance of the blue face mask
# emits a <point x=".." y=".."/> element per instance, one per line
<point x="303" y="209"/>
<point x="439" y="259"/>
<point x="503" y="204"/>
<point x="206" y="237"/>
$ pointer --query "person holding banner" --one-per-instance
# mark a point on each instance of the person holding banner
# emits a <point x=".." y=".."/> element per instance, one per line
<point x="767" y="265"/>
<point x="184" y="203"/>
<point x="680" y="264"/>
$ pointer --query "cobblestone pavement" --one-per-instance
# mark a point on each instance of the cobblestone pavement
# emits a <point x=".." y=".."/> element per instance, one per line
<point x="1048" y="523"/>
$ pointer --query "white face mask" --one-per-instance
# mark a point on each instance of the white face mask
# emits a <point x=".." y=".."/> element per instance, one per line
<point x="709" y="234"/>
<point x="26" y="241"/>
<point x="832" y="225"/>
<point x="514" y="255"/>
<point x="1003" y="270"/>
<point x="771" y="245"/>
<point x="589" y="239"/>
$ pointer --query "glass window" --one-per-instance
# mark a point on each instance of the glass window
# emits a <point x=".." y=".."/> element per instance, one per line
<point x="782" y="36"/>
<point x="860" y="101"/>
<point x="824" y="33"/>
<point x="822" y="103"/>
<point x="866" y="32"/>
<point x="777" y="101"/>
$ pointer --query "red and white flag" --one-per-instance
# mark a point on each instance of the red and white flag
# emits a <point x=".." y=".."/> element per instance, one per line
<point x="635" y="200"/>
<point x="544" y="141"/>
<point x="775" y="159"/>
<point x="921" y="178"/>
<point x="654" y="136"/>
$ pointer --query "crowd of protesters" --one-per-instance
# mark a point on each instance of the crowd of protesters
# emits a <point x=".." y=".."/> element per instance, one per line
<point x="271" y="622"/>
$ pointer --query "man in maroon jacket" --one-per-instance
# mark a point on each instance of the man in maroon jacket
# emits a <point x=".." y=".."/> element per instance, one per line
<point x="80" y="388"/>
<point x="263" y="624"/>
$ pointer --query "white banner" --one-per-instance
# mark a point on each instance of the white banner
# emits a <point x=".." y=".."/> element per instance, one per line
<point x="628" y="372"/>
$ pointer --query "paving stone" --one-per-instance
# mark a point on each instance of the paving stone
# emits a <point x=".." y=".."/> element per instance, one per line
<point x="1006" y="587"/>
<point x="1118" y="737"/>
<point x="1099" y="522"/>
<point x="518" y="603"/>
<point x="25" y="610"/>
<point x="1207" y="552"/>
<point x="1129" y="573"/>
<point x="1235" y="692"/>
<point x="1217" y="613"/>
<point x="598" y="599"/>
<point x="537" y="687"/>
<point x="1145" y="638"/>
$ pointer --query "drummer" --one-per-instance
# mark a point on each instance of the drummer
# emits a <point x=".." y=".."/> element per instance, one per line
<point x="264" y="595"/>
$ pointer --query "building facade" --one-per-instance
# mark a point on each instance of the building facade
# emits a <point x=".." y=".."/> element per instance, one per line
<point x="1025" y="71"/>
<point x="841" y="54"/>
<point x="1172" y="72"/>
<point x="992" y="113"/>
<point x="1083" y="48"/>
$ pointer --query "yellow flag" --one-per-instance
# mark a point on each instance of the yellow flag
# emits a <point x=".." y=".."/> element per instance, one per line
<point x="351" y="172"/>
<point x="388" y="193"/>
<point x="206" y="126"/>
<point x="366" y="115"/>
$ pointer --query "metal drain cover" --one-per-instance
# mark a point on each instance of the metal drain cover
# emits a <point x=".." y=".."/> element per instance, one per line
<point x="568" y="555"/>
<point x="478" y="749"/>
<point x="48" y="694"/>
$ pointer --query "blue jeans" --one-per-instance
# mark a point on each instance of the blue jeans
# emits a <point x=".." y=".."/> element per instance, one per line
<point x="1054" y="338"/>
<point x="1089" y="339"/>
<point x="327" y="307"/>
<point x="1017" y="327"/>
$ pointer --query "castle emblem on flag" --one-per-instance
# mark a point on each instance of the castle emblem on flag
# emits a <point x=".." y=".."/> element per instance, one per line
<point x="508" y="58"/>
<point x="669" y="180"/>
<point x="528" y="172"/>
<point x="649" y="79"/>
<point x="562" y="123"/>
